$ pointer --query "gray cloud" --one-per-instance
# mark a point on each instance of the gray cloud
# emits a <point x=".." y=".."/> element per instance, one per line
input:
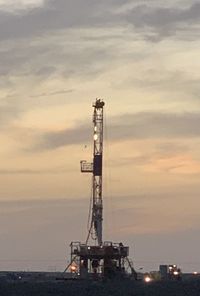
<point x="62" y="14"/>
<point x="56" y="14"/>
<point x="161" y="125"/>
<point x="83" y="56"/>
<point x="51" y="56"/>
<point x="143" y="15"/>
<point x="15" y="7"/>
<point x="172" y="81"/>
<point x="144" y="125"/>
<point x="165" y="21"/>
<point x="77" y="135"/>
<point x="65" y="55"/>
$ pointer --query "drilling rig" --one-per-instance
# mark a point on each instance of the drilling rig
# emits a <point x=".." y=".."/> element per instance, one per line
<point x="98" y="259"/>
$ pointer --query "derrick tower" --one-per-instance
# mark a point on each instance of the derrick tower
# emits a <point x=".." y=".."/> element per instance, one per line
<point x="102" y="258"/>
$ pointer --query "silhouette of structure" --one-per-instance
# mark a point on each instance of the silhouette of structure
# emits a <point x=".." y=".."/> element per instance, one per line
<point x="96" y="169"/>
<point x="97" y="259"/>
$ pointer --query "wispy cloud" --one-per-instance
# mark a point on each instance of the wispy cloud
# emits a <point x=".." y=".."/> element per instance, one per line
<point x="145" y="125"/>
<point x="16" y="6"/>
<point x="158" y="124"/>
<point x="52" y="171"/>
<point x="53" y="140"/>
<point x="164" y="21"/>
<point x="61" y="14"/>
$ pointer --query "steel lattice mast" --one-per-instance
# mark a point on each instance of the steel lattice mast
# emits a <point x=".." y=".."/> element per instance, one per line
<point x="96" y="169"/>
<point x="102" y="259"/>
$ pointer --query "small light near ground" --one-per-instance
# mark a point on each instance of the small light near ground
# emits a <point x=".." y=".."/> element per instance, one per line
<point x="73" y="268"/>
<point x="147" y="279"/>
<point x="195" y="272"/>
<point x="176" y="272"/>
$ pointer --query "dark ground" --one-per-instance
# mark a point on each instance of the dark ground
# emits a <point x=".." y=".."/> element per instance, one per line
<point x="117" y="288"/>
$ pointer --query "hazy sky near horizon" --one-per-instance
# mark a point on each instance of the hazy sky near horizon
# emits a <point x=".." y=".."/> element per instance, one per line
<point x="142" y="58"/>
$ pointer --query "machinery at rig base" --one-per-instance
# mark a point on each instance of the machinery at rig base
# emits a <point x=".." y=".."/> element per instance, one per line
<point x="170" y="272"/>
<point x="107" y="260"/>
<point x="100" y="259"/>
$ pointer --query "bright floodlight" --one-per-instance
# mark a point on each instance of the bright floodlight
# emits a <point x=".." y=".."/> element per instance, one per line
<point x="195" y="272"/>
<point x="147" y="279"/>
<point x="73" y="268"/>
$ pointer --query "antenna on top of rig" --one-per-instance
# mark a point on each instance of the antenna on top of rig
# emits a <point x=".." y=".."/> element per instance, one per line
<point x="96" y="169"/>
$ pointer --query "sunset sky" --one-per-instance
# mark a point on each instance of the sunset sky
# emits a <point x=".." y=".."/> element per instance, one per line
<point x="142" y="58"/>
